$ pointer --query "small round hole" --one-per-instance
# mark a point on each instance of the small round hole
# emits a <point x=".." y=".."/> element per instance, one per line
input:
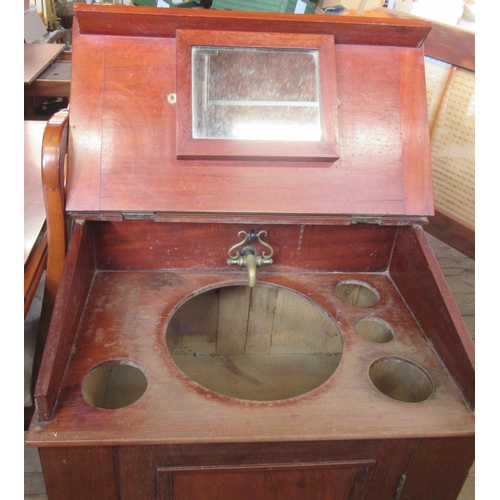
<point x="374" y="330"/>
<point x="357" y="293"/>
<point x="401" y="380"/>
<point x="114" y="384"/>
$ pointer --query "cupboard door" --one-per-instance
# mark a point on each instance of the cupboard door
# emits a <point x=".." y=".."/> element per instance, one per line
<point x="341" y="480"/>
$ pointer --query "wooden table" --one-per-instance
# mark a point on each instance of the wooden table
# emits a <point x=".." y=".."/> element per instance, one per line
<point x="46" y="73"/>
<point x="35" y="234"/>
<point x="38" y="57"/>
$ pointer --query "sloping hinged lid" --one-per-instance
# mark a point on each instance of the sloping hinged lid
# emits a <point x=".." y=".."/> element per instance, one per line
<point x="151" y="87"/>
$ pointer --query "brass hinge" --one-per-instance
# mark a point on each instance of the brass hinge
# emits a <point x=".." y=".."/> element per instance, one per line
<point x="399" y="489"/>
<point x="138" y="215"/>
<point x="365" y="219"/>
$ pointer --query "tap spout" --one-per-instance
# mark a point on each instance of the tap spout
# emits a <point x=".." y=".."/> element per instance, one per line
<point x="248" y="257"/>
<point x="250" y="261"/>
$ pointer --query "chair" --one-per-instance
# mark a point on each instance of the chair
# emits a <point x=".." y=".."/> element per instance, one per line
<point x="53" y="154"/>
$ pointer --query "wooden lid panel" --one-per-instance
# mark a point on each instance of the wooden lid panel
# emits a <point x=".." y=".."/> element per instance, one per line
<point x="123" y="140"/>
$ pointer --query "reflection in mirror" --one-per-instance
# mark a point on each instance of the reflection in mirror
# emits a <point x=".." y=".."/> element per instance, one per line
<point x="256" y="94"/>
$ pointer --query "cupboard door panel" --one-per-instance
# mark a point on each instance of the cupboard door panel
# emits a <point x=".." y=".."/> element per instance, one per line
<point x="333" y="480"/>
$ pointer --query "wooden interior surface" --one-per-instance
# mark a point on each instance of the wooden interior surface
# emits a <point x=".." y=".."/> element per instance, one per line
<point x="123" y="134"/>
<point x="414" y="277"/>
<point x="126" y="315"/>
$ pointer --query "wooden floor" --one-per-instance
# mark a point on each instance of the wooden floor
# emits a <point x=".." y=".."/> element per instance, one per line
<point x="459" y="271"/>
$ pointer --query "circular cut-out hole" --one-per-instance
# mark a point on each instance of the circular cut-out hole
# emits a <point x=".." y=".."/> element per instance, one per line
<point x="357" y="293"/>
<point x="401" y="380"/>
<point x="374" y="330"/>
<point x="114" y="384"/>
<point x="265" y="343"/>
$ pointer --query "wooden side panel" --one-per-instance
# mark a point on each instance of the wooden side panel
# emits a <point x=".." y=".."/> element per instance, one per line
<point x="80" y="473"/>
<point x="444" y="463"/>
<point x="416" y="273"/>
<point x="416" y="154"/>
<point x="70" y="300"/>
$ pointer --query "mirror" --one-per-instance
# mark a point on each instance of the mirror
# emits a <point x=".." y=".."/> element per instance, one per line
<point x="256" y="94"/>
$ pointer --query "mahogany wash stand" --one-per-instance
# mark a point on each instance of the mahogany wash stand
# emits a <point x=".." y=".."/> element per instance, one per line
<point x="249" y="307"/>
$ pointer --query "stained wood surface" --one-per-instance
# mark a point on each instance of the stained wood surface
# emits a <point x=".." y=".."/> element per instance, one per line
<point x="68" y="306"/>
<point x="53" y="162"/>
<point x="442" y="482"/>
<point x="410" y="277"/>
<point x="135" y="462"/>
<point x="145" y="21"/>
<point x="444" y="42"/>
<point x="149" y="245"/>
<point x="126" y="316"/>
<point x="95" y="477"/>
<point x="335" y="481"/>
<point x="123" y="150"/>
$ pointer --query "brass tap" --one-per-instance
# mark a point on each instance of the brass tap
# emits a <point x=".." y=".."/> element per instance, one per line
<point x="247" y="256"/>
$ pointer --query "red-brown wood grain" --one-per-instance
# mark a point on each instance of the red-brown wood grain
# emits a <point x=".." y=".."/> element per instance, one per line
<point x="123" y="146"/>
<point x="142" y="462"/>
<point x="79" y="473"/>
<point x="441" y="482"/>
<point x="68" y="307"/>
<point x="453" y="44"/>
<point x="146" y="21"/>
<point x="416" y="155"/>
<point x="53" y="159"/>
<point x="125" y="280"/>
<point x="428" y="295"/>
<point x="125" y="316"/>
<point x="86" y="122"/>
<point x="149" y="245"/>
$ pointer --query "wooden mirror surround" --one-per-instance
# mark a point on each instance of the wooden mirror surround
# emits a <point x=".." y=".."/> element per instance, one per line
<point x="233" y="102"/>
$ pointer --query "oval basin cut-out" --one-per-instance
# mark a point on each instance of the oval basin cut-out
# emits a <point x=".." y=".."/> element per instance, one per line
<point x="357" y="293"/>
<point x="401" y="379"/>
<point x="265" y="343"/>
<point x="374" y="330"/>
<point x="114" y="384"/>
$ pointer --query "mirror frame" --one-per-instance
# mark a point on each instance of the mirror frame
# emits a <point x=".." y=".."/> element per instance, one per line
<point x="327" y="149"/>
